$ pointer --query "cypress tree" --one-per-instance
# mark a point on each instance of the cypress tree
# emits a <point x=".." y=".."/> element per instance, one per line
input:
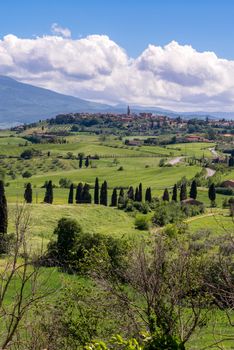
<point x="212" y="194"/>
<point x="140" y="193"/>
<point x="114" y="198"/>
<point x="103" y="194"/>
<point x="174" y="194"/>
<point x="28" y="193"/>
<point x="71" y="194"/>
<point x="49" y="193"/>
<point x="166" y="196"/>
<point x="148" y="196"/>
<point x="121" y="196"/>
<point x="80" y="161"/>
<point x="136" y="197"/>
<point x="130" y="193"/>
<point x="3" y="210"/>
<point x="86" y="196"/>
<point x="183" y="191"/>
<point x="96" y="191"/>
<point x="87" y="162"/>
<point x="79" y="190"/>
<point x="193" y="190"/>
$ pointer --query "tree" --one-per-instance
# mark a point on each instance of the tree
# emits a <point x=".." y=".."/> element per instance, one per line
<point x="166" y="196"/>
<point x="96" y="191"/>
<point x="193" y="190"/>
<point x="3" y="210"/>
<point x="174" y="193"/>
<point x="80" y="161"/>
<point x="87" y="162"/>
<point x="114" y="198"/>
<point x="121" y="197"/>
<point x="71" y="194"/>
<point x="212" y="194"/>
<point x="32" y="285"/>
<point x="67" y="232"/>
<point x="140" y="193"/>
<point x="148" y="196"/>
<point x="79" y="190"/>
<point x="136" y="196"/>
<point x="49" y="193"/>
<point x="231" y="161"/>
<point x="28" y="193"/>
<point x="183" y="191"/>
<point x="130" y="193"/>
<point x="86" y="196"/>
<point x="103" y="194"/>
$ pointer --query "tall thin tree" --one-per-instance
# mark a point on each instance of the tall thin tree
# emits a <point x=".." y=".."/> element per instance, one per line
<point x="49" y="193"/>
<point x="183" y="191"/>
<point x="79" y="190"/>
<point x="193" y="190"/>
<point x="28" y="193"/>
<point x="71" y="194"/>
<point x="96" y="191"/>
<point x="3" y="210"/>
<point x="174" y="193"/>
<point x="114" y="198"/>
<point x="166" y="196"/>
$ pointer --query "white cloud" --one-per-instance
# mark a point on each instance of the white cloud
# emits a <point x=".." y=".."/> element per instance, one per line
<point x="58" y="30"/>
<point x="95" y="67"/>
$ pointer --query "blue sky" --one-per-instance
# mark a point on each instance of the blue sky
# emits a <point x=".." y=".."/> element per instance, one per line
<point x="205" y="24"/>
<point x="174" y="54"/>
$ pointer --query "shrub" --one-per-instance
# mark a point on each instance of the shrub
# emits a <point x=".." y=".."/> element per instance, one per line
<point x="142" y="222"/>
<point x="64" y="182"/>
<point x="26" y="174"/>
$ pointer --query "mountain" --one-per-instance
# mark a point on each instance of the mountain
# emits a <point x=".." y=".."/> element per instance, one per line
<point x="24" y="103"/>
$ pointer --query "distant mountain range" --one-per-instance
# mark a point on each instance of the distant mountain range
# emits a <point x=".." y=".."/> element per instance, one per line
<point x="24" y="103"/>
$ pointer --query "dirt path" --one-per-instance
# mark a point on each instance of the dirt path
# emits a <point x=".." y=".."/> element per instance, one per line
<point x="209" y="172"/>
<point x="175" y="160"/>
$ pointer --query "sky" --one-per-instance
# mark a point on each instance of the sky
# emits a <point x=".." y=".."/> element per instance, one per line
<point x="174" y="54"/>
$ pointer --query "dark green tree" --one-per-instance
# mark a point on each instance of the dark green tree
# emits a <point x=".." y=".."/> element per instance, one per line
<point x="96" y="191"/>
<point x="80" y="161"/>
<point x="148" y="196"/>
<point x="114" y="198"/>
<point x="136" y="196"/>
<point x="121" y="197"/>
<point x="71" y="194"/>
<point x="28" y="193"/>
<point x="130" y="193"/>
<point x="87" y="162"/>
<point x="174" y="193"/>
<point x="79" y="190"/>
<point x="193" y="190"/>
<point x="103" y="194"/>
<point x="166" y="196"/>
<point x="67" y="233"/>
<point x="3" y="210"/>
<point x="86" y="196"/>
<point x="212" y="194"/>
<point x="49" y="193"/>
<point x="140" y="193"/>
<point x="183" y="191"/>
<point x="231" y="161"/>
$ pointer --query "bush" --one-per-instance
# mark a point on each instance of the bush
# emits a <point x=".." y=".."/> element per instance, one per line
<point x="167" y="213"/>
<point x="64" y="182"/>
<point x="26" y="174"/>
<point x="76" y="251"/>
<point x="142" y="222"/>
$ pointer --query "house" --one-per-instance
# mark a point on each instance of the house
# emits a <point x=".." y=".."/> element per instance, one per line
<point x="228" y="183"/>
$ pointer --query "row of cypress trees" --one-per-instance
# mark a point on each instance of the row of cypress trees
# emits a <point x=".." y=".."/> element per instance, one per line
<point x="183" y="192"/>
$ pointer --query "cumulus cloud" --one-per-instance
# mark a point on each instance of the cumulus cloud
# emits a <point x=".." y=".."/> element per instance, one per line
<point x="58" y="30"/>
<point x="174" y="76"/>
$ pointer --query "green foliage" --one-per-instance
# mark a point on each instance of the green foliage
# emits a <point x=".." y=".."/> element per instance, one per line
<point x="142" y="222"/>
<point x="3" y="210"/>
<point x="64" y="182"/>
<point x="71" y="194"/>
<point x="28" y="193"/>
<point x="26" y="174"/>
<point x="166" y="213"/>
<point x="49" y="193"/>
